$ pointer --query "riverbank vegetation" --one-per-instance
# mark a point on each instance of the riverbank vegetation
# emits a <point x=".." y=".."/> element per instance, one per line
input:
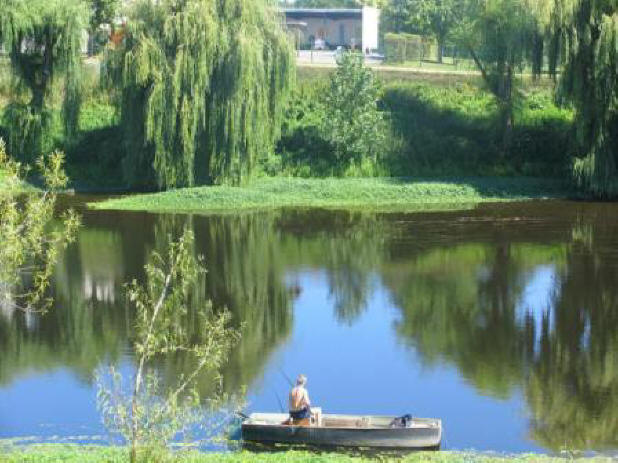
<point x="158" y="141"/>
<point x="348" y="193"/>
<point x="201" y="95"/>
<point x="430" y="127"/>
<point x="95" y="454"/>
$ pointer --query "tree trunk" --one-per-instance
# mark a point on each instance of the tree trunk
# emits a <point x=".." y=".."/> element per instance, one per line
<point x="503" y="92"/>
<point x="134" y="431"/>
<point x="507" y="108"/>
<point x="507" y="126"/>
<point x="440" y="51"/>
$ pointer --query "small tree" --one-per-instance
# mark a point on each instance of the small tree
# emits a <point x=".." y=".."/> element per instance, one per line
<point x="395" y="17"/>
<point x="353" y="123"/>
<point x="150" y="414"/>
<point x="435" y="17"/>
<point x="29" y="242"/>
<point x="501" y="36"/>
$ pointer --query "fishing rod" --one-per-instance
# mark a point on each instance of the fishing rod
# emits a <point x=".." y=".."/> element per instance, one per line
<point x="279" y="400"/>
<point x="287" y="378"/>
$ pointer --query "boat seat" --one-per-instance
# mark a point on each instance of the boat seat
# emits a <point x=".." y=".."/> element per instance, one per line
<point x="292" y="422"/>
<point x="346" y="423"/>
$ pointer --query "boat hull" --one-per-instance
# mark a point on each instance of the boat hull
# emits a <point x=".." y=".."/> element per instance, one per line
<point x="419" y="437"/>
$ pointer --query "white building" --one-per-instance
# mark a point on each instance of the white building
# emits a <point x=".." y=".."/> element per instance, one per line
<point x="333" y="27"/>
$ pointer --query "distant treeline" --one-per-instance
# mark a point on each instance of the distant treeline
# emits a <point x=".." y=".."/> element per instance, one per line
<point x="431" y="127"/>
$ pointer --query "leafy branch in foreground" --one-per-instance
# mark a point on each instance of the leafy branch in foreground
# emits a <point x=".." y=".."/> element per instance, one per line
<point x="149" y="414"/>
<point x="29" y="242"/>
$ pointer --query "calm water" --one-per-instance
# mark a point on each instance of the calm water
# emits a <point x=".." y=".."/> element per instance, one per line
<point x="502" y="320"/>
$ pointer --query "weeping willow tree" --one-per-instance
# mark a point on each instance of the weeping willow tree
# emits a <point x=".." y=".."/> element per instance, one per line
<point x="584" y="35"/>
<point x="43" y="39"/>
<point x="203" y="85"/>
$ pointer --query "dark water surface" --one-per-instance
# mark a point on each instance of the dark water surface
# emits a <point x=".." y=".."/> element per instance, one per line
<point x="502" y="320"/>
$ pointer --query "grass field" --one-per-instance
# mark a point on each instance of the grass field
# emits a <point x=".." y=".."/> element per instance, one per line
<point x="94" y="454"/>
<point x="347" y="193"/>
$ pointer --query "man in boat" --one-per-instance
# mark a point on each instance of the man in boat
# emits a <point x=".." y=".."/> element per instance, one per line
<point x="299" y="401"/>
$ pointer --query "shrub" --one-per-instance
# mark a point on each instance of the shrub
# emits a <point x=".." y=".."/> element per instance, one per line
<point x="454" y="131"/>
<point x="335" y="129"/>
<point x="353" y="123"/>
<point x="399" y="48"/>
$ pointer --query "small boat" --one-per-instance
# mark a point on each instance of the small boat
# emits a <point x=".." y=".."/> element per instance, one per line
<point x="344" y="431"/>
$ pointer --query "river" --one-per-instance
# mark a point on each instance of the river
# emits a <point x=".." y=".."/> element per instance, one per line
<point x="501" y="319"/>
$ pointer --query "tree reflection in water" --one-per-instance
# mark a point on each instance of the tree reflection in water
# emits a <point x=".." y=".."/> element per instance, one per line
<point x="480" y="307"/>
<point x="572" y="388"/>
<point x="513" y="302"/>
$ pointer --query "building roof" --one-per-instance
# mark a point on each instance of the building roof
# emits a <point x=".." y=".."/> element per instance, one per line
<point x="329" y="13"/>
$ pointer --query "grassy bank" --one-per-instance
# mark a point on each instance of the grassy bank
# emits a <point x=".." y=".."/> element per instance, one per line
<point x="365" y="193"/>
<point x="95" y="454"/>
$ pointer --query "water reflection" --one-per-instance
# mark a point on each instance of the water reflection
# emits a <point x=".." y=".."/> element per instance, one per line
<point x="521" y="299"/>
<point x="572" y="390"/>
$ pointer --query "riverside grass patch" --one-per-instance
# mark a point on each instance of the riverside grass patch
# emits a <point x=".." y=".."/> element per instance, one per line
<point x="379" y="194"/>
<point x="73" y="453"/>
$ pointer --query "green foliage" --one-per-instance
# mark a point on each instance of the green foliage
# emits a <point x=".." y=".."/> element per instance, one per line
<point x="150" y="415"/>
<point x="335" y="129"/>
<point x="324" y="4"/>
<point x="353" y="125"/>
<point x="501" y="36"/>
<point x="302" y="148"/>
<point x="399" y="48"/>
<point x="395" y="17"/>
<point x="43" y="39"/>
<point x="93" y="454"/>
<point x="103" y="12"/>
<point x="434" y="18"/>
<point x="29" y="247"/>
<point x="434" y="130"/>
<point x="203" y="88"/>
<point x="401" y="194"/>
<point x="438" y="18"/>
<point x="584" y="35"/>
<point x="457" y="131"/>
